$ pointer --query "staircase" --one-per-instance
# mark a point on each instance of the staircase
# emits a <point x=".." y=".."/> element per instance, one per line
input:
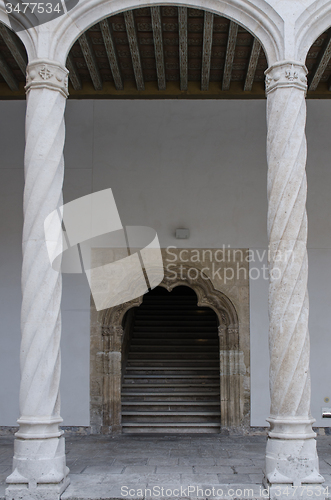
<point x="171" y="381"/>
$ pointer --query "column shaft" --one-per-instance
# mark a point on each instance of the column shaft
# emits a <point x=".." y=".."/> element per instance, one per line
<point x="291" y="450"/>
<point x="39" y="469"/>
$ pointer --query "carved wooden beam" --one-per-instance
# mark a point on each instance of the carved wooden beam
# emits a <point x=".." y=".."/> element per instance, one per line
<point x="91" y="61"/>
<point x="134" y="49"/>
<point x="158" y="47"/>
<point x="7" y="74"/>
<point x="254" y="57"/>
<point x="206" y="50"/>
<point x="111" y="53"/>
<point x="231" y="45"/>
<point x="321" y="64"/>
<point x="73" y="74"/>
<point x="183" y="56"/>
<point x="14" y="46"/>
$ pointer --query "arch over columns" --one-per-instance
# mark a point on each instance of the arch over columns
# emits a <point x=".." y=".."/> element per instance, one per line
<point x="106" y="353"/>
<point x="258" y="17"/>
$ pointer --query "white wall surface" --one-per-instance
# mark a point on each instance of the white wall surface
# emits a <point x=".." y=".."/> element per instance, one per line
<point x="195" y="164"/>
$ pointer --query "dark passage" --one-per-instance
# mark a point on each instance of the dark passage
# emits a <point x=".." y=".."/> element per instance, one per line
<point x="171" y="381"/>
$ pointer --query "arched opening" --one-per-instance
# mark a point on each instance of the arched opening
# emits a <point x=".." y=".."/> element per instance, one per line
<point x="171" y="369"/>
<point x="183" y="324"/>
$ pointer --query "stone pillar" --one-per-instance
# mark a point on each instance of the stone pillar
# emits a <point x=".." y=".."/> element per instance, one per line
<point x="291" y="457"/>
<point x="112" y="379"/>
<point x="39" y="468"/>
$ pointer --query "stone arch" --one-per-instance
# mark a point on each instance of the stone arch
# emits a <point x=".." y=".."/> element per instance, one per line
<point x="310" y="25"/>
<point x="106" y="404"/>
<point x="257" y="17"/>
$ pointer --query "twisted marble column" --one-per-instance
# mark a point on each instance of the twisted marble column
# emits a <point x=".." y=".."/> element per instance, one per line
<point x="291" y="451"/>
<point x="39" y="461"/>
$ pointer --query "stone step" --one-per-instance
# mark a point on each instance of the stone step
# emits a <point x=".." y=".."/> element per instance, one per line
<point x="171" y="393"/>
<point x="171" y="370"/>
<point x="183" y="363"/>
<point x="167" y="406"/>
<point x="171" y="418"/>
<point x="176" y="328"/>
<point x="173" y="413"/>
<point x="165" y="341"/>
<point x="171" y="348"/>
<point x="170" y="428"/>
<point x="171" y="378"/>
<point x="174" y="386"/>
<point x="174" y="335"/>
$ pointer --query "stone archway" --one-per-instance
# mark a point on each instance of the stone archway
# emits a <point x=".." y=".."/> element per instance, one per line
<point x="107" y="334"/>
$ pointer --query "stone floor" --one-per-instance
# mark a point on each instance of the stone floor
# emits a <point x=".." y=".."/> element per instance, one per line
<point x="107" y="468"/>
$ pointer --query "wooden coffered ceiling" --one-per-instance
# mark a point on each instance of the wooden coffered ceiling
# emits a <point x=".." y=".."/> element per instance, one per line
<point x="164" y="52"/>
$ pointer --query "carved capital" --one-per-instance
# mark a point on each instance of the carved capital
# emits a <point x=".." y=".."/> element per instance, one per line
<point x="286" y="74"/>
<point x="43" y="73"/>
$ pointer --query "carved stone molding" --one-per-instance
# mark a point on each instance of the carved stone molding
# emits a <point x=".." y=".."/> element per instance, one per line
<point x="286" y="74"/>
<point x="43" y="73"/>
<point x="232" y="366"/>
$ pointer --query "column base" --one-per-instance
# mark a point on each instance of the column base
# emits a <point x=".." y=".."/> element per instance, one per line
<point x="39" y="470"/>
<point x="291" y="456"/>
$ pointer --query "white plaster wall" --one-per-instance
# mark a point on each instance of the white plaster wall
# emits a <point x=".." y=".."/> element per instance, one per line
<point x="195" y="164"/>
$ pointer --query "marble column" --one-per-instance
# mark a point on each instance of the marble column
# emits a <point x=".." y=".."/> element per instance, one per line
<point x="291" y="457"/>
<point x="39" y="468"/>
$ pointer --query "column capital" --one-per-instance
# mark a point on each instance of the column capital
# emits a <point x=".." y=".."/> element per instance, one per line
<point x="285" y="74"/>
<point x="43" y="73"/>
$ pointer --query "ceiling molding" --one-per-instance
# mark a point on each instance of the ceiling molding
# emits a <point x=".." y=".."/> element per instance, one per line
<point x="208" y="26"/>
<point x="254" y="57"/>
<point x="73" y="73"/>
<point x="111" y="53"/>
<point x="321" y="64"/>
<point x="90" y="59"/>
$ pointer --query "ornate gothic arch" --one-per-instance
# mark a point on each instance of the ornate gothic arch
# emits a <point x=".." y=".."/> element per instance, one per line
<point x="258" y="17"/>
<point x="207" y="295"/>
<point x="106" y="404"/>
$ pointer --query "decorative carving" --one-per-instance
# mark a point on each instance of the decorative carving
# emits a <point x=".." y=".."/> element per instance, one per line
<point x="43" y="73"/>
<point x="254" y="57"/>
<point x="286" y="74"/>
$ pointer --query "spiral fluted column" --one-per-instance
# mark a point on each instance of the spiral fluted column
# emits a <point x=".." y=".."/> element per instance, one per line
<point x="39" y="469"/>
<point x="291" y="456"/>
